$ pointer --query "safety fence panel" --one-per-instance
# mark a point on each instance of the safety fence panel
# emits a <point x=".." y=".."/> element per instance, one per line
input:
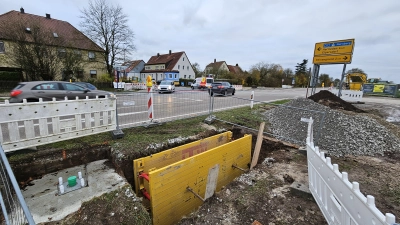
<point x="133" y="109"/>
<point x="349" y="95"/>
<point x="25" y="125"/>
<point x="13" y="205"/>
<point x="340" y="201"/>
<point x="142" y="166"/>
<point x="180" y="188"/>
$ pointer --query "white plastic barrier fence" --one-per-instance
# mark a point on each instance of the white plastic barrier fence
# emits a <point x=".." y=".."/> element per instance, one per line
<point x="25" y="125"/>
<point x="340" y="201"/>
<point x="134" y="86"/>
<point x="238" y="87"/>
<point x="119" y="85"/>
<point x="349" y="95"/>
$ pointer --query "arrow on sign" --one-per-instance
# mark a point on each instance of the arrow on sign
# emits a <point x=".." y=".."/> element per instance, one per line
<point x="345" y="58"/>
<point x="319" y="48"/>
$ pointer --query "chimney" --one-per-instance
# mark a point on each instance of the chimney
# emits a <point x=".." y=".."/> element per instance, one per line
<point x="158" y="54"/>
<point x="170" y="52"/>
<point x="22" y="10"/>
<point x="237" y="64"/>
<point x="215" y="60"/>
<point x="48" y="16"/>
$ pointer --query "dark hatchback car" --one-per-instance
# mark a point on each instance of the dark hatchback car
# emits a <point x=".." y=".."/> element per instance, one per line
<point x="86" y="85"/>
<point x="221" y="88"/>
<point x="47" y="90"/>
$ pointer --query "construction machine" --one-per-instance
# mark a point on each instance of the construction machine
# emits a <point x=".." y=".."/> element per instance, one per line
<point x="355" y="81"/>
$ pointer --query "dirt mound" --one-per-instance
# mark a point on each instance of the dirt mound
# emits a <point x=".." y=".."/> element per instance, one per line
<point x="329" y="99"/>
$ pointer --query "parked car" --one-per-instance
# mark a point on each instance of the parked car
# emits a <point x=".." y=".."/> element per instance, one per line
<point x="86" y="85"/>
<point x="221" y="88"/>
<point x="166" y="86"/>
<point x="47" y="90"/>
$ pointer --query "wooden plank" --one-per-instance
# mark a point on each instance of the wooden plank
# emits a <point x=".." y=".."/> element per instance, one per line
<point x="258" y="145"/>
<point x="282" y="142"/>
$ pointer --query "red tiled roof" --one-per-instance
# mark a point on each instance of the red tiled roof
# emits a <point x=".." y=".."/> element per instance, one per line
<point x="170" y="60"/>
<point x="131" y="64"/>
<point x="68" y="35"/>
<point x="234" y="69"/>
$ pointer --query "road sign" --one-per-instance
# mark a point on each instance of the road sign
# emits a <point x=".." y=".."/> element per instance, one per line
<point x="332" y="59"/>
<point x="334" y="47"/>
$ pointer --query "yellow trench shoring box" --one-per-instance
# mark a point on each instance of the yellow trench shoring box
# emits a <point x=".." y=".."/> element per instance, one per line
<point x="180" y="188"/>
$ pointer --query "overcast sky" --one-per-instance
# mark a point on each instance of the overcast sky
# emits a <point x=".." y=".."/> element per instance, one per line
<point x="247" y="32"/>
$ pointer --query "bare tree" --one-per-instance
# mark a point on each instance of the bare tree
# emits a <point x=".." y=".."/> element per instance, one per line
<point x="108" y="26"/>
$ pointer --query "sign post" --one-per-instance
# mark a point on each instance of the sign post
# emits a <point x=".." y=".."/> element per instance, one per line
<point x="333" y="52"/>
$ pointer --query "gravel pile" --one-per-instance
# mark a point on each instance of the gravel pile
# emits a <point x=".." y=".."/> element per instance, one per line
<point x="341" y="134"/>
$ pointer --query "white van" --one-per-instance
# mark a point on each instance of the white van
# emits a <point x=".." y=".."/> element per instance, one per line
<point x="197" y="83"/>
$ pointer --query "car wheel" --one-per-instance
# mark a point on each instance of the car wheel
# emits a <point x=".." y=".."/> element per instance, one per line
<point x="192" y="88"/>
<point x="233" y="93"/>
<point x="224" y="93"/>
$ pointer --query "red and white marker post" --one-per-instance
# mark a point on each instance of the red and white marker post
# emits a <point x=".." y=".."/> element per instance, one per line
<point x="150" y="98"/>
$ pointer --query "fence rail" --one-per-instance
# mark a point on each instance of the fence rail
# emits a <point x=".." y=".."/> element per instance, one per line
<point x="340" y="201"/>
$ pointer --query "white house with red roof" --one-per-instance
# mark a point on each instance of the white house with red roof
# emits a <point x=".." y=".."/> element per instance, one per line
<point x="171" y="66"/>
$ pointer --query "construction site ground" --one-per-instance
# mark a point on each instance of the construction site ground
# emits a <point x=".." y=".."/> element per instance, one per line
<point x="264" y="193"/>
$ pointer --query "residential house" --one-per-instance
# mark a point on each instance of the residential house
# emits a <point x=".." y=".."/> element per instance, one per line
<point x="236" y="70"/>
<point x="216" y="67"/>
<point x="132" y="69"/>
<point x="171" y="66"/>
<point x="60" y="36"/>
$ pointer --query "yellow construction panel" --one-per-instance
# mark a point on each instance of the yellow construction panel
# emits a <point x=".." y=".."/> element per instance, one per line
<point x="204" y="173"/>
<point x="334" y="47"/>
<point x="176" y="154"/>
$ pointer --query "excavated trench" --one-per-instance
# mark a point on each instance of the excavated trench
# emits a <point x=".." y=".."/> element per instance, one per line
<point x="50" y="161"/>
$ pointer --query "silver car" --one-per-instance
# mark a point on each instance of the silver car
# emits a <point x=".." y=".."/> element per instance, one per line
<point x="47" y="90"/>
<point x="166" y="86"/>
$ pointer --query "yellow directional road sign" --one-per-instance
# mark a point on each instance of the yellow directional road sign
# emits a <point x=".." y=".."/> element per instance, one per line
<point x="334" y="47"/>
<point x="331" y="59"/>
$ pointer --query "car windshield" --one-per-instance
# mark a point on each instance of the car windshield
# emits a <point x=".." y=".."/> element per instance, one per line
<point x="165" y="82"/>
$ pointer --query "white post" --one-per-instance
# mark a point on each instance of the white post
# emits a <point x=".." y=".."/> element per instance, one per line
<point x="252" y="99"/>
<point x="60" y="185"/>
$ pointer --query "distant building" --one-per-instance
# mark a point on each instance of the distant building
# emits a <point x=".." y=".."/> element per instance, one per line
<point x="215" y="67"/>
<point x="171" y="66"/>
<point x="132" y="69"/>
<point x="235" y="69"/>
<point x="61" y="36"/>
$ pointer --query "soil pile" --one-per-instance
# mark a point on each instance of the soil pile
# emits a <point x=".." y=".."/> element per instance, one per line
<point x="329" y="99"/>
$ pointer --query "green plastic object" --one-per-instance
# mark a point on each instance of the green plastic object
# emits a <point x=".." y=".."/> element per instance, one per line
<point x="71" y="181"/>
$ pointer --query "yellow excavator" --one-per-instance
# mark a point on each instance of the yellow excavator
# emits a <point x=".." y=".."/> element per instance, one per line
<point x="355" y="81"/>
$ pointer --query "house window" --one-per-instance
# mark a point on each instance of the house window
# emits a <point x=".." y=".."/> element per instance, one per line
<point x="93" y="73"/>
<point x="156" y="67"/>
<point x="78" y="54"/>
<point x="183" y="58"/>
<point x="179" y="67"/>
<point x="175" y="76"/>
<point x="170" y="76"/>
<point x="190" y="76"/>
<point x="184" y="76"/>
<point x="91" y="55"/>
<point x="2" y="48"/>
<point x="61" y="53"/>
<point x="187" y="67"/>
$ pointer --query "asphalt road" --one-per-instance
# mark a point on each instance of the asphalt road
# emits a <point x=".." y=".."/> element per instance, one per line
<point x="133" y="109"/>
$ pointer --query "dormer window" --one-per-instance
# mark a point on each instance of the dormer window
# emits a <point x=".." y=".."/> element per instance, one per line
<point x="55" y="35"/>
